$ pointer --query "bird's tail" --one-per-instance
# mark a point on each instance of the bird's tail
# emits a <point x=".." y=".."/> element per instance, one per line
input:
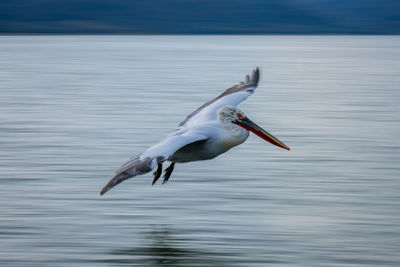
<point x="134" y="166"/>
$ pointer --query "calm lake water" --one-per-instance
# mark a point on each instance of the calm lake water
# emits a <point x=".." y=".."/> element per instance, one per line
<point x="74" y="108"/>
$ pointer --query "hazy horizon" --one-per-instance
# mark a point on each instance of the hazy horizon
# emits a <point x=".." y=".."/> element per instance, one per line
<point x="200" y="17"/>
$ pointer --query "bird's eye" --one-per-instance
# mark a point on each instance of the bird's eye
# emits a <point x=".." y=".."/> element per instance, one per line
<point x="239" y="115"/>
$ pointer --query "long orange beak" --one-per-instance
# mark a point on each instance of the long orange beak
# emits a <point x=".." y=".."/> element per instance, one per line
<point x="254" y="128"/>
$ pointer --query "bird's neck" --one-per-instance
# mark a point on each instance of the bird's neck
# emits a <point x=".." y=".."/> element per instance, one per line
<point x="238" y="136"/>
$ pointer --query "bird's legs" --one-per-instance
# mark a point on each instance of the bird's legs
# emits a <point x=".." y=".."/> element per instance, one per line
<point x="157" y="173"/>
<point x="168" y="172"/>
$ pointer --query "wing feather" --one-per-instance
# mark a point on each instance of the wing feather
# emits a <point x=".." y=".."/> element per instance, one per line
<point x="231" y="96"/>
<point x="148" y="160"/>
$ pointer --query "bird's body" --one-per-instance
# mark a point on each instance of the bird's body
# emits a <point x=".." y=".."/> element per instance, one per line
<point x="209" y="131"/>
<point x="218" y="141"/>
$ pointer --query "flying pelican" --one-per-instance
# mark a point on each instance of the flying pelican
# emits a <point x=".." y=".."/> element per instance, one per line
<point x="212" y="129"/>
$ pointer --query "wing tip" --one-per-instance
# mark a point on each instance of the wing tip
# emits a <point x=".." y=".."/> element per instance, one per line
<point x="103" y="191"/>
<point x="251" y="81"/>
<point x="130" y="169"/>
<point x="114" y="181"/>
<point x="255" y="76"/>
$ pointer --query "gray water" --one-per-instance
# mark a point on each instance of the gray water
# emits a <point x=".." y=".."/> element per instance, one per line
<point x="74" y="108"/>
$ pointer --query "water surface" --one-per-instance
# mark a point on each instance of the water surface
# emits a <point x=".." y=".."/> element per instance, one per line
<point x="73" y="108"/>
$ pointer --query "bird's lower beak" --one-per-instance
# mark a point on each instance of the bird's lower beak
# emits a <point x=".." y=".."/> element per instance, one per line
<point x="254" y="128"/>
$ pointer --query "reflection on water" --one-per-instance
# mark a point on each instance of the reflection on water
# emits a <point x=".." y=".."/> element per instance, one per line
<point x="165" y="249"/>
<point x="73" y="108"/>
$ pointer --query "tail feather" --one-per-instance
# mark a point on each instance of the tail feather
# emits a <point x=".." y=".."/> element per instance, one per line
<point x="134" y="166"/>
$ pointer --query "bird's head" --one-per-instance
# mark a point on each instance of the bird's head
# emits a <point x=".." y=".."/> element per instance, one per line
<point x="230" y="115"/>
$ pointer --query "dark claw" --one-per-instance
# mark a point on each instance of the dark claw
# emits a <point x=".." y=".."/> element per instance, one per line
<point x="157" y="173"/>
<point x="168" y="172"/>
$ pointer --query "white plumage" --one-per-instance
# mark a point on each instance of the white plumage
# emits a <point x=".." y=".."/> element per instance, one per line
<point x="209" y="131"/>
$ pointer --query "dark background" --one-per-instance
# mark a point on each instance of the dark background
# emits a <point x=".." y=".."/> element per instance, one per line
<point x="200" y="17"/>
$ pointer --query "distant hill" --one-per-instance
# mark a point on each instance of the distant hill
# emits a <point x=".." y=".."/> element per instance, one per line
<point x="200" y="17"/>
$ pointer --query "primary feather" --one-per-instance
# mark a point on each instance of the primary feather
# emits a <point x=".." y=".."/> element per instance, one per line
<point x="232" y="96"/>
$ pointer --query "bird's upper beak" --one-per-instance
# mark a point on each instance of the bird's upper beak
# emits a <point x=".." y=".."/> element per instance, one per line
<point x="251" y="126"/>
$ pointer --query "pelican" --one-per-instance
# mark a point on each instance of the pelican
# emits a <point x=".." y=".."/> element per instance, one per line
<point x="212" y="129"/>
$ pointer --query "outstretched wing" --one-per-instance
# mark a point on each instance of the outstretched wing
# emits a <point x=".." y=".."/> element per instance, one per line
<point x="231" y="96"/>
<point x="148" y="160"/>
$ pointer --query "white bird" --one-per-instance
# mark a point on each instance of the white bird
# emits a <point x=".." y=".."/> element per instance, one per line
<point x="212" y="129"/>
